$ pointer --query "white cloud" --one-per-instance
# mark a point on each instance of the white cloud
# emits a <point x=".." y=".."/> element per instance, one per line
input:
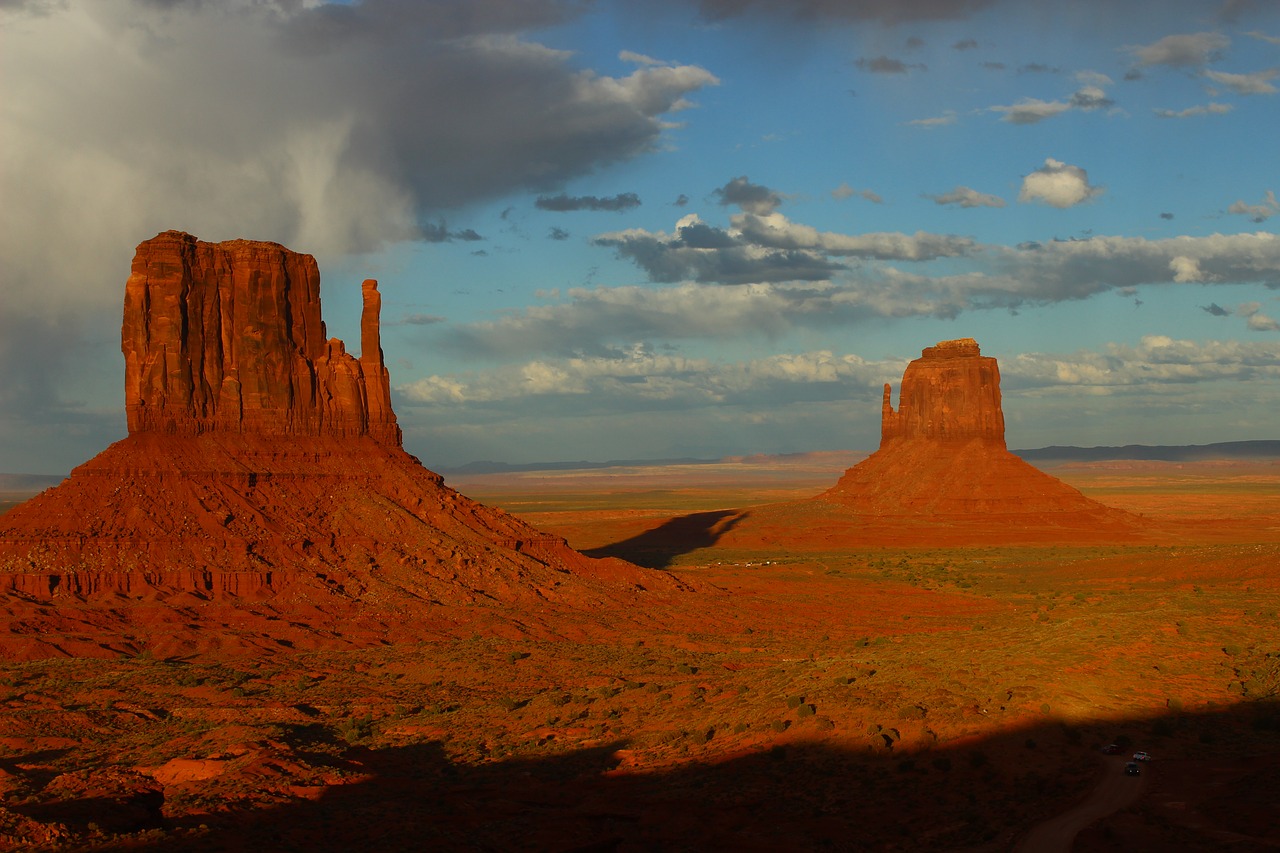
<point x="1211" y="108"/>
<point x="776" y="231"/>
<point x="1186" y="269"/>
<point x="966" y="197"/>
<point x="948" y="117"/>
<point x="1031" y="110"/>
<point x="1246" y="84"/>
<point x="1268" y="208"/>
<point x="1058" y="184"/>
<point x="1156" y="360"/>
<point x="845" y="191"/>
<point x="1181" y="51"/>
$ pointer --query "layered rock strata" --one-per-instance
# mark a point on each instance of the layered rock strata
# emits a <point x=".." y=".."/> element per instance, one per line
<point x="262" y="498"/>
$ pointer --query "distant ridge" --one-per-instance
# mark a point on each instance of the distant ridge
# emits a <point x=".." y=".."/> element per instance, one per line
<point x="580" y="465"/>
<point x="1157" y="453"/>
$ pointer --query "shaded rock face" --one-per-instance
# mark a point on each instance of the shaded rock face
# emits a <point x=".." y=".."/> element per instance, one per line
<point x="943" y="457"/>
<point x="951" y="393"/>
<point x="262" y="499"/>
<point x="228" y="337"/>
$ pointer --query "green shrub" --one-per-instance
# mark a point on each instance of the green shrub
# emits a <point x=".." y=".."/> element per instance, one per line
<point x="806" y="711"/>
<point x="795" y="701"/>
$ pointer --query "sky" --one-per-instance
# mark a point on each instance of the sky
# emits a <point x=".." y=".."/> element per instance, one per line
<point x="638" y="230"/>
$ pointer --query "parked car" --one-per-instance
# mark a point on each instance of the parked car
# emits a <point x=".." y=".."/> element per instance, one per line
<point x="1111" y="749"/>
<point x="1133" y="768"/>
<point x="1141" y="756"/>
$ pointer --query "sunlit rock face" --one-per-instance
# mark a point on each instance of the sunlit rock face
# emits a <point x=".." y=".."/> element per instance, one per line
<point x="228" y="337"/>
<point x="943" y="455"/>
<point x="951" y="393"/>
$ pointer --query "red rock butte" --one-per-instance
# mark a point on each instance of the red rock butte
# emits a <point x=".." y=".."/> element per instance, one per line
<point x="943" y="456"/>
<point x="262" y="498"/>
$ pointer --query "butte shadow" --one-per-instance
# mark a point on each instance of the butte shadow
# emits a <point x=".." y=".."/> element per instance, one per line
<point x="942" y="476"/>
<point x="262" y="498"/>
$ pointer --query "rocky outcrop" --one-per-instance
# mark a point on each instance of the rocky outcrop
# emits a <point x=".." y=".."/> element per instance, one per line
<point x="950" y="394"/>
<point x="228" y="337"/>
<point x="262" y="498"/>
<point x="943" y="458"/>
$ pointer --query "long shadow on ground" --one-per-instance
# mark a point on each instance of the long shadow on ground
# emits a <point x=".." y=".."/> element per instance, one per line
<point x="659" y="547"/>
<point x="849" y="791"/>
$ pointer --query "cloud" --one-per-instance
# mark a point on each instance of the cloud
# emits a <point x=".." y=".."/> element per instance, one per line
<point x="1157" y="360"/>
<point x="1058" y="185"/>
<point x="965" y="44"/>
<point x="1031" y="110"/>
<point x="438" y="232"/>
<point x="1256" y="320"/>
<point x="1181" y="51"/>
<point x="1038" y="68"/>
<point x="1261" y="36"/>
<point x="1246" y="84"/>
<point x="845" y="191"/>
<point x="887" y="65"/>
<point x="1090" y="98"/>
<point x="777" y="232"/>
<point x="752" y="198"/>
<point x="703" y="253"/>
<point x="419" y="320"/>
<point x="1268" y="208"/>
<point x="555" y="233"/>
<point x="1186" y="269"/>
<point x="947" y="117"/>
<point x="1211" y="108"/>
<point x="966" y="197"/>
<point x="844" y="11"/>
<point x="1213" y="309"/>
<point x="563" y="203"/>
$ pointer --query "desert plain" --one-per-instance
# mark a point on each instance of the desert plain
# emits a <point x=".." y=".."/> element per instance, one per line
<point x="870" y="695"/>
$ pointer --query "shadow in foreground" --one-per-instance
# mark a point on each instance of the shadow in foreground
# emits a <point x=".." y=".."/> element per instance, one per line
<point x="1212" y="785"/>
<point x="659" y="547"/>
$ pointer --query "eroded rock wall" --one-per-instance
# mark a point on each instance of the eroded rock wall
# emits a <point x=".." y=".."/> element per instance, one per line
<point x="228" y="337"/>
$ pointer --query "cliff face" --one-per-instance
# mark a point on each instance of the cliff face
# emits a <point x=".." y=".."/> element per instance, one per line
<point x="951" y="393"/>
<point x="228" y="337"/>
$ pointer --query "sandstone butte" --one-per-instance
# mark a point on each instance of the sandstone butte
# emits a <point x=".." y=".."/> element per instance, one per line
<point x="941" y="476"/>
<point x="943" y="456"/>
<point x="262" y="497"/>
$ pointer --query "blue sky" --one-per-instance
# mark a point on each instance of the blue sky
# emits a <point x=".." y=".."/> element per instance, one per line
<point x="635" y="230"/>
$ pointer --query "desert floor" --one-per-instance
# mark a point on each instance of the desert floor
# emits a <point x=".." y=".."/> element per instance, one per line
<point x="877" y="697"/>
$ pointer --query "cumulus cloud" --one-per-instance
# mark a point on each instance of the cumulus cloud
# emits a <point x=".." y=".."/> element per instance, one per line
<point x="1213" y="309"/>
<point x="753" y="198"/>
<point x="776" y="231"/>
<point x="1058" y="185"/>
<point x="1257" y="83"/>
<point x="1255" y="319"/>
<point x="1212" y="108"/>
<point x="1186" y="269"/>
<point x="966" y="197"/>
<point x="1181" y="51"/>
<point x="1261" y="212"/>
<point x="1156" y="360"/>
<point x="563" y="203"/>
<point x="1090" y="96"/>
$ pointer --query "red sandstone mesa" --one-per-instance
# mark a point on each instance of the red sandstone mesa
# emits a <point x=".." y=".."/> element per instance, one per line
<point x="263" y="486"/>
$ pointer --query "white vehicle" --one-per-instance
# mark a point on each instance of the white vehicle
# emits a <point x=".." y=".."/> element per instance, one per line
<point x="1141" y="756"/>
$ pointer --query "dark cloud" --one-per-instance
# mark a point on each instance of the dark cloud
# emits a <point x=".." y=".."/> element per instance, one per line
<point x="708" y="255"/>
<point x="1090" y="98"/>
<point x="438" y="232"/>
<point x="915" y="43"/>
<point x="1038" y="68"/>
<point x="752" y="198"/>
<point x="563" y="203"/>
<point x="555" y="233"/>
<point x="1166" y="215"/>
<point x="887" y="11"/>
<point x="1215" y="309"/>
<point x="965" y="44"/>
<point x="681" y="200"/>
<point x="888" y="65"/>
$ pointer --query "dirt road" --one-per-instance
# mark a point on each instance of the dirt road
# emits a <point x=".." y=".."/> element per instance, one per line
<point x="1115" y="791"/>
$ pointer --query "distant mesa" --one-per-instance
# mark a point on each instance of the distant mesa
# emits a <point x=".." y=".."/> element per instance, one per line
<point x="262" y="498"/>
<point x="942" y="453"/>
